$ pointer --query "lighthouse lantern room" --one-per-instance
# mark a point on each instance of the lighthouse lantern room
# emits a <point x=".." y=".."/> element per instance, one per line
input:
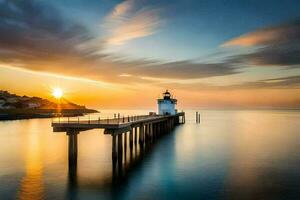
<point x="167" y="105"/>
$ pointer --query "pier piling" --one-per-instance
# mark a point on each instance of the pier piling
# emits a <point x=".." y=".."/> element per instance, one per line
<point x="131" y="138"/>
<point x="125" y="142"/>
<point x="135" y="134"/>
<point x="114" y="147"/>
<point x="120" y="147"/>
<point x="197" y="118"/>
<point x="73" y="147"/>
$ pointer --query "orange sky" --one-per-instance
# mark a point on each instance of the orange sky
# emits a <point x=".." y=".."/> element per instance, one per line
<point x="98" y="95"/>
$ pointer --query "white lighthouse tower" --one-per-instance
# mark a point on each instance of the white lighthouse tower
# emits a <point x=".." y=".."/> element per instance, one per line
<point x="167" y="105"/>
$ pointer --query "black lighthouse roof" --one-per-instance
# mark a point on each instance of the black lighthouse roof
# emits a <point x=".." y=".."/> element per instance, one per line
<point x="167" y="95"/>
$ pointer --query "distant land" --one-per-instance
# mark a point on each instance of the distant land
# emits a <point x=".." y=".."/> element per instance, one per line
<point x="13" y="107"/>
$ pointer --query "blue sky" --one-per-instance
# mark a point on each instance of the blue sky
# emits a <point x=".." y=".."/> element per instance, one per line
<point x="186" y="45"/>
<point x="190" y="28"/>
<point x="193" y="28"/>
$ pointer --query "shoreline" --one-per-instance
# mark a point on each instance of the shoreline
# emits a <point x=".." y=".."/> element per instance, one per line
<point x="19" y="114"/>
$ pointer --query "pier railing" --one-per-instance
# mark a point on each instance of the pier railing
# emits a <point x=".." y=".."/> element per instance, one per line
<point x="102" y="120"/>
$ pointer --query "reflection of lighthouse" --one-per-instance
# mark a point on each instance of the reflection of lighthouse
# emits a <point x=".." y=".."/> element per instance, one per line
<point x="167" y="105"/>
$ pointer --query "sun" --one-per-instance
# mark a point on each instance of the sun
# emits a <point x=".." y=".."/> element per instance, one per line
<point x="57" y="93"/>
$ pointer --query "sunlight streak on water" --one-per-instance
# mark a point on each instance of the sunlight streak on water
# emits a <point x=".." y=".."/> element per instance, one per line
<point x="31" y="185"/>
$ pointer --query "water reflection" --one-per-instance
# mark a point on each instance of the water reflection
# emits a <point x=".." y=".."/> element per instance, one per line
<point x="32" y="186"/>
<point x="124" y="164"/>
<point x="72" y="182"/>
<point x="230" y="155"/>
<point x="260" y="158"/>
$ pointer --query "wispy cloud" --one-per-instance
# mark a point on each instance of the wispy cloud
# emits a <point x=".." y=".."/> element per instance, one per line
<point x="121" y="10"/>
<point x="184" y="70"/>
<point x="129" y="21"/>
<point x="276" y="46"/>
<point x="278" y="34"/>
<point x="289" y="82"/>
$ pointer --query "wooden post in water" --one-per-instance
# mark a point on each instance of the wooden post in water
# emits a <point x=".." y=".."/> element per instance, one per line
<point x="114" y="147"/>
<point x="120" y="147"/>
<point x="167" y="126"/>
<point x="146" y="133"/>
<point x="135" y="134"/>
<point x="155" y="131"/>
<point x="159" y="128"/>
<point x="125" y="143"/>
<point x="151" y="132"/>
<point x="131" y="138"/>
<point x="73" y="147"/>
<point x="141" y="134"/>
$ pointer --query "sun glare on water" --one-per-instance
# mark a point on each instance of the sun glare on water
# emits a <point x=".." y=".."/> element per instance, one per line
<point x="57" y="93"/>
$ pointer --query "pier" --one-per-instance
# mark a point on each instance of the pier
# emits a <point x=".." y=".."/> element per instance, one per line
<point x="142" y="129"/>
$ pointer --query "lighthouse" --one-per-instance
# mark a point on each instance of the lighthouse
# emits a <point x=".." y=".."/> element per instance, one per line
<point x="167" y="105"/>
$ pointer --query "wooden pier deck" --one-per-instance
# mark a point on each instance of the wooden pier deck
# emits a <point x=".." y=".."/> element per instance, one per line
<point x="143" y="128"/>
<point x="111" y="125"/>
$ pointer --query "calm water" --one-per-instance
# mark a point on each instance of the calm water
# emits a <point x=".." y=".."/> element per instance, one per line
<point x="230" y="155"/>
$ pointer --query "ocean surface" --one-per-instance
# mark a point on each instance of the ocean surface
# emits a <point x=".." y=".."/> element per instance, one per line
<point x="231" y="154"/>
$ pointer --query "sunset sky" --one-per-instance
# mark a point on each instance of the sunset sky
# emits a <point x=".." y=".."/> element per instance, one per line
<point x="124" y="54"/>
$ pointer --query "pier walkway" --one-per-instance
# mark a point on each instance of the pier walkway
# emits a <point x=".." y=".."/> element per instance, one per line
<point x="143" y="128"/>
